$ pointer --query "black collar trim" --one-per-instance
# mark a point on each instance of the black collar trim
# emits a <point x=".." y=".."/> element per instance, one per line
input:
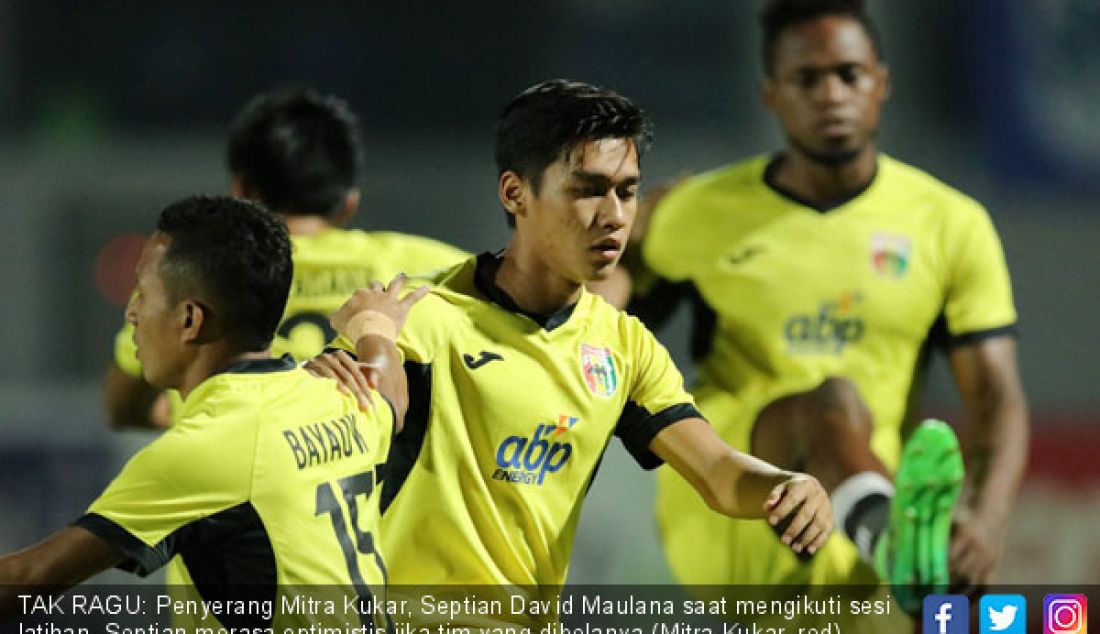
<point x="769" y="180"/>
<point x="261" y="366"/>
<point x="485" y="280"/>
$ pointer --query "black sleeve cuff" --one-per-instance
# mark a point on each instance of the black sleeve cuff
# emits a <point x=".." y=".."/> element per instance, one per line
<point x="977" y="336"/>
<point x="637" y="428"/>
<point x="141" y="559"/>
<point x="331" y="349"/>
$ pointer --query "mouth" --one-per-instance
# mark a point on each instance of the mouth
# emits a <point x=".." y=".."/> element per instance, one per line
<point x="609" y="248"/>
<point x="836" y="126"/>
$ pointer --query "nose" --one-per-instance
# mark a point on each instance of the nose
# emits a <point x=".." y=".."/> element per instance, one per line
<point x="614" y="213"/>
<point x="830" y="89"/>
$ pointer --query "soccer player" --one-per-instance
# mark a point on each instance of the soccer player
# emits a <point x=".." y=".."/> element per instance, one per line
<point x="519" y="376"/>
<point x="300" y="154"/>
<point x="820" y="277"/>
<point x="258" y="483"/>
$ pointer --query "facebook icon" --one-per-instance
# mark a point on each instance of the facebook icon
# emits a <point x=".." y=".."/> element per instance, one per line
<point x="946" y="614"/>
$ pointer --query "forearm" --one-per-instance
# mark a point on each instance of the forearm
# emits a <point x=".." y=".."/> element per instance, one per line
<point x="995" y="437"/>
<point x="731" y="482"/>
<point x="14" y="574"/>
<point x="995" y="449"/>
<point x="58" y="562"/>
<point x="381" y="354"/>
<point x="740" y="484"/>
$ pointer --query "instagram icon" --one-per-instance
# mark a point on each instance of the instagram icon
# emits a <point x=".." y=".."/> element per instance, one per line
<point x="1065" y="614"/>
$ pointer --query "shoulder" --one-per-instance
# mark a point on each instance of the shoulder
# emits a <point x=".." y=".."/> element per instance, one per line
<point x="699" y="211"/>
<point x="330" y="239"/>
<point x="629" y="333"/>
<point x="731" y="180"/>
<point x="905" y="179"/>
<point x="210" y="447"/>
<point x="418" y="246"/>
<point x="442" y="314"/>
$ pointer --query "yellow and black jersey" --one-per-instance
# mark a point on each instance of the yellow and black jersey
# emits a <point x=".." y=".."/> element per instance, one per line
<point x="787" y="294"/>
<point x="328" y="267"/>
<point x="509" y="416"/>
<point x="795" y="293"/>
<point x="270" y="478"/>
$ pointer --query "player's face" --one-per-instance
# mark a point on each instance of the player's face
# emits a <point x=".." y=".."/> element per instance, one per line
<point x="582" y="215"/>
<point x="827" y="88"/>
<point x="154" y="319"/>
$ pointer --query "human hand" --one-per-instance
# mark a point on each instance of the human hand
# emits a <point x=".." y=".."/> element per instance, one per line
<point x="378" y="310"/>
<point x="976" y="546"/>
<point x="352" y="377"/>
<point x="803" y="505"/>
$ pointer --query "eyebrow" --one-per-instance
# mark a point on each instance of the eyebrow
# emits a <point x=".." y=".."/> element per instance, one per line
<point x="601" y="180"/>
<point x="809" y="67"/>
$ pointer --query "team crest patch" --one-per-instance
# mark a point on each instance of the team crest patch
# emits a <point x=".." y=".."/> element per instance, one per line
<point x="890" y="254"/>
<point x="599" y="370"/>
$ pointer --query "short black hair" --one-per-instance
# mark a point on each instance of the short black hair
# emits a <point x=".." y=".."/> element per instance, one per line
<point x="297" y="151"/>
<point x="545" y="122"/>
<point x="234" y="256"/>
<point x="779" y="15"/>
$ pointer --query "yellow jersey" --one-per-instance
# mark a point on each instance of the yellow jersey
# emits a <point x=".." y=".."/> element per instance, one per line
<point x="788" y="294"/>
<point x="509" y="416"/>
<point x="856" y="291"/>
<point x="269" y="480"/>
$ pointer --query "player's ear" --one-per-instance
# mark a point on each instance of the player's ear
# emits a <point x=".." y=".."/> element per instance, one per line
<point x="348" y="208"/>
<point x="512" y="191"/>
<point x="192" y="318"/>
<point x="885" y="81"/>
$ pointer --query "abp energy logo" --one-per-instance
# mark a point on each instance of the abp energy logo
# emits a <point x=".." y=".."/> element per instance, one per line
<point x="828" y="331"/>
<point x="528" y="460"/>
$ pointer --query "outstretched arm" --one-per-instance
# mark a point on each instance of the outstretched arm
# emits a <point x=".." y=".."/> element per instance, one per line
<point x="739" y="485"/>
<point x="995" y="442"/>
<point x="62" y="560"/>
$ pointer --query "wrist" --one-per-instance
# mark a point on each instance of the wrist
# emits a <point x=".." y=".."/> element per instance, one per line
<point x="370" y="322"/>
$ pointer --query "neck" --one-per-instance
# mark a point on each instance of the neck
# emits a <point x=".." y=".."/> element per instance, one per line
<point x="209" y="362"/>
<point x="306" y="225"/>
<point x="822" y="182"/>
<point x="532" y="284"/>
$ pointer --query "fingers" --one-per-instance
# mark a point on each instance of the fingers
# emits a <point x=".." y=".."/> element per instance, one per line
<point x="803" y="506"/>
<point x="788" y="500"/>
<point x="972" y="569"/>
<point x="372" y="375"/>
<point x="393" y="289"/>
<point x="415" y="296"/>
<point x="345" y="370"/>
<point x="318" y="367"/>
<point x="812" y="538"/>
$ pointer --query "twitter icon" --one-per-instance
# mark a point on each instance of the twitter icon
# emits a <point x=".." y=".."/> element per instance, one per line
<point x="1003" y="614"/>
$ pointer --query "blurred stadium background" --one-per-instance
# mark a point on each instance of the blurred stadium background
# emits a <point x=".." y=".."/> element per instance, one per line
<point x="112" y="110"/>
